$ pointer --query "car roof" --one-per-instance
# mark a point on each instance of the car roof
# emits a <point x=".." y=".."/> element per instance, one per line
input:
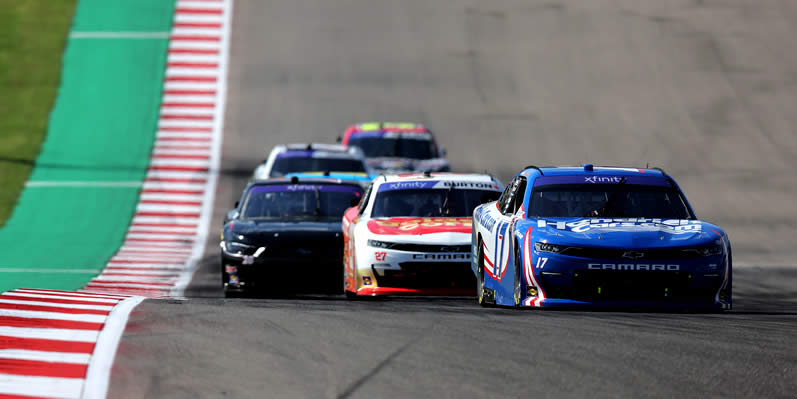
<point x="330" y="175"/>
<point x="312" y="149"/>
<point x="384" y="127"/>
<point x="595" y="170"/>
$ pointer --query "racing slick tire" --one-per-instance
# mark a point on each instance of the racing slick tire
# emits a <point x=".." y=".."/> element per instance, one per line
<point x="346" y="293"/>
<point x="518" y="294"/>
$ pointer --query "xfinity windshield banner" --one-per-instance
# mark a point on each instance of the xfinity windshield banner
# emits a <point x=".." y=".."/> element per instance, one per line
<point x="324" y="188"/>
<point x="438" y="184"/>
<point x="602" y="179"/>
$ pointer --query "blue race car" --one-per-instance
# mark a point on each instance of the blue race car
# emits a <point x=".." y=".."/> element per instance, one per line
<point x="598" y="236"/>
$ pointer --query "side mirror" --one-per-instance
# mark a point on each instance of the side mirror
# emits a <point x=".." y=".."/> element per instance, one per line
<point x="339" y="139"/>
<point x="236" y="205"/>
<point x="231" y="214"/>
<point x="443" y="152"/>
<point x="354" y="202"/>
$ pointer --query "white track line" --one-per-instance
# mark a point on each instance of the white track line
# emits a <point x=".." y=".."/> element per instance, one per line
<point x="48" y="387"/>
<point x="44" y="356"/>
<point x="99" y="369"/>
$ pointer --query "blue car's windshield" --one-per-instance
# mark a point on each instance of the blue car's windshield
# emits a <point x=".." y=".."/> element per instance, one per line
<point x="400" y="147"/>
<point x="283" y="166"/>
<point x="614" y="201"/>
<point x="289" y="201"/>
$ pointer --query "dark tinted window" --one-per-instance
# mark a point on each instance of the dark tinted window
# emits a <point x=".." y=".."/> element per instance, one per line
<point x="430" y="203"/>
<point x="283" y="166"/>
<point x="331" y="201"/>
<point x="400" y="147"/>
<point x="617" y="201"/>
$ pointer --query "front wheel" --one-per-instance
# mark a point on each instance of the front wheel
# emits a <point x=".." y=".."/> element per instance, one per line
<point x="518" y="282"/>
<point x="480" y="290"/>
<point x="346" y="293"/>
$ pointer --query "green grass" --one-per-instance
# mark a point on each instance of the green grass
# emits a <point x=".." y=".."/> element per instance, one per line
<point x="32" y="38"/>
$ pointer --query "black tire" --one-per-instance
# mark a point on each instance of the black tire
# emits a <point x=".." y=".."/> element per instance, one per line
<point x="480" y="276"/>
<point x="518" y="282"/>
<point x="223" y="273"/>
<point x="346" y="293"/>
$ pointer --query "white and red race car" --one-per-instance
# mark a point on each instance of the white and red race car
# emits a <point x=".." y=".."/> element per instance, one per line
<point x="411" y="234"/>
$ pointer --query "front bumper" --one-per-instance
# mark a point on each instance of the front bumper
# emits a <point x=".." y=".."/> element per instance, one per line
<point x="312" y="274"/>
<point x="392" y="272"/>
<point x="566" y="281"/>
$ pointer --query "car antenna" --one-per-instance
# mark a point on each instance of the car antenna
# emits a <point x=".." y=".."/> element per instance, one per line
<point x="294" y="180"/>
<point x="427" y="173"/>
<point x="326" y="173"/>
<point x="309" y="146"/>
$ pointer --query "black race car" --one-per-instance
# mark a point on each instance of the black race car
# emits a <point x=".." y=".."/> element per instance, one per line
<point x="284" y="235"/>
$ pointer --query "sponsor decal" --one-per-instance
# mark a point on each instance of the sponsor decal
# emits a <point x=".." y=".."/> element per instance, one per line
<point x="633" y="266"/>
<point x="602" y="179"/>
<point x="483" y="217"/>
<point x="468" y="184"/>
<point x="366" y="280"/>
<point x="640" y="179"/>
<point x="407" y="185"/>
<point x="414" y="226"/>
<point x="673" y="226"/>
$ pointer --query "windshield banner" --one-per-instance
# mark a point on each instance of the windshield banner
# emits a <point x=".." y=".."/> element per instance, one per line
<point x="438" y="184"/>
<point x="324" y="188"/>
<point x="602" y="179"/>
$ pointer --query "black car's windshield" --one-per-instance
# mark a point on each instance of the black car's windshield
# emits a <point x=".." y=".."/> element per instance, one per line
<point x="615" y="201"/>
<point x="407" y="146"/>
<point x="430" y="202"/>
<point x="277" y="201"/>
<point x="285" y="165"/>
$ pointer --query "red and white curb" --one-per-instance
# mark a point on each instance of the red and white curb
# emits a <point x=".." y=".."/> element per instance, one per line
<point x="167" y="236"/>
<point x="59" y="344"/>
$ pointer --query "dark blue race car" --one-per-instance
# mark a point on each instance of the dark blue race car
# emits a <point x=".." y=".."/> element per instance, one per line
<point x="284" y="235"/>
<point x="598" y="236"/>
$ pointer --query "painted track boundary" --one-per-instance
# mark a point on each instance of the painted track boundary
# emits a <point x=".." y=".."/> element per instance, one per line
<point x="167" y="235"/>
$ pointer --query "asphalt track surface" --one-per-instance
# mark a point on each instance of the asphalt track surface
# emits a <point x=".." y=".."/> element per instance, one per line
<point x="706" y="89"/>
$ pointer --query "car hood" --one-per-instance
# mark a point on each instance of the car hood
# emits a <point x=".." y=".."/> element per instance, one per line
<point x="626" y="233"/>
<point x="398" y="165"/>
<point x="421" y="230"/>
<point x="257" y="231"/>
